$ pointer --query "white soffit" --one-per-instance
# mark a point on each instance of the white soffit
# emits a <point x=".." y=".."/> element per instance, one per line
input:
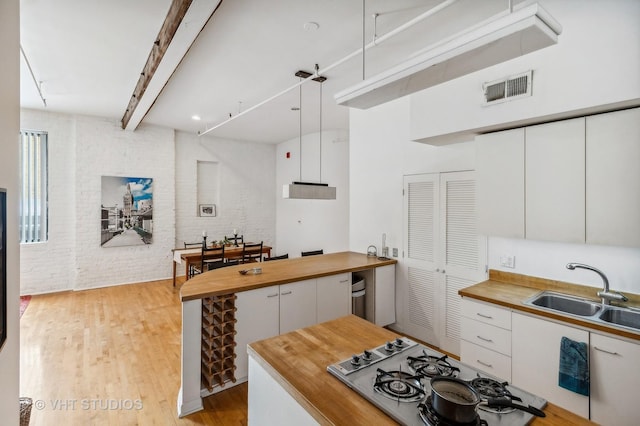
<point x="194" y="20"/>
<point x="501" y="38"/>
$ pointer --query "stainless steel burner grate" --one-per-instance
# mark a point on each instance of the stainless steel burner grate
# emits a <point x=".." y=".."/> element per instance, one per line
<point x="431" y="366"/>
<point x="398" y="385"/>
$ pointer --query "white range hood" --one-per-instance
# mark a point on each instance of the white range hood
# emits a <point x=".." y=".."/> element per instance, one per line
<point x="501" y="38"/>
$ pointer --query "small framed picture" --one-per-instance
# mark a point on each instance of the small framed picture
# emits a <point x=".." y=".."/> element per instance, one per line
<point x="207" y="210"/>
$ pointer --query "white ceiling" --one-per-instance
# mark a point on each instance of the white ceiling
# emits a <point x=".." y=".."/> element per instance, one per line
<point x="89" y="55"/>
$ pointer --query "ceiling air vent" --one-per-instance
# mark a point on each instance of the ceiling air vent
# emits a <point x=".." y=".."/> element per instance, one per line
<point x="508" y="88"/>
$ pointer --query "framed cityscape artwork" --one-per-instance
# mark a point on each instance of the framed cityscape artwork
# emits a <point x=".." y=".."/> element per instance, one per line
<point x="127" y="211"/>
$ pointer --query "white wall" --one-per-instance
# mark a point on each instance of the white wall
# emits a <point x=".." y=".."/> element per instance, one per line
<point x="382" y="152"/>
<point x="380" y="143"/>
<point x="9" y="130"/>
<point x="546" y="259"/>
<point x="595" y="63"/>
<point x="81" y="150"/>
<point x="303" y="225"/>
<point x="245" y="189"/>
<point x="50" y="266"/>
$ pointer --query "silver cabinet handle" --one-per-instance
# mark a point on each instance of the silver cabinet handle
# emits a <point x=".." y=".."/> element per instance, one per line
<point x="272" y="295"/>
<point x="345" y="281"/>
<point x="484" y="363"/>
<point x="484" y="316"/>
<point x="286" y="292"/>
<point x="485" y="339"/>
<point x="605" y="351"/>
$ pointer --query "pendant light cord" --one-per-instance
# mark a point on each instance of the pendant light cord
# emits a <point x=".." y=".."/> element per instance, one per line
<point x="300" y="125"/>
<point x="320" y="131"/>
<point x="363" y="35"/>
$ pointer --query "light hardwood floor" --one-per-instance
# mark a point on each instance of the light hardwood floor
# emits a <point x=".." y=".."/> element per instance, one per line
<point x="111" y="356"/>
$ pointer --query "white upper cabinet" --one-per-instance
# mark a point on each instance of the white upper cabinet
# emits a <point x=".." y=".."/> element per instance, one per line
<point x="500" y="177"/>
<point x="572" y="181"/>
<point x="613" y="178"/>
<point x="554" y="181"/>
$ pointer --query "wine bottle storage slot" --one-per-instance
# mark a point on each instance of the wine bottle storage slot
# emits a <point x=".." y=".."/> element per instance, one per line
<point x="218" y="340"/>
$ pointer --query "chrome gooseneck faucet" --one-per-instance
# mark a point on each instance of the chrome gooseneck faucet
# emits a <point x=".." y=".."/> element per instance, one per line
<point x="606" y="294"/>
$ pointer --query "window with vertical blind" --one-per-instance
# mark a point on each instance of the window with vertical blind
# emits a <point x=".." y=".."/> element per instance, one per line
<point x="33" y="225"/>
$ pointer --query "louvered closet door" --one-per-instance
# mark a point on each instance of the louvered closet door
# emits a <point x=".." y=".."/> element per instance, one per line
<point x="462" y="251"/>
<point x="420" y="256"/>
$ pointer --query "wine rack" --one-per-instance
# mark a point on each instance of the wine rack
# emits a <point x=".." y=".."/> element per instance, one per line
<point x="218" y="340"/>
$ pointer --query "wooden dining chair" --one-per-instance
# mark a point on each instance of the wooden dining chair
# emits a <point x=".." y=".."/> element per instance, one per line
<point x="236" y="240"/>
<point x="213" y="258"/>
<point x="210" y="258"/>
<point x="282" y="256"/>
<point x="311" y="253"/>
<point x="252" y="252"/>
<point x="193" y="270"/>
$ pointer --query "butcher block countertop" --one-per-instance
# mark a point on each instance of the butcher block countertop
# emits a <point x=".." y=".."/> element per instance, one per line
<point x="511" y="290"/>
<point x="298" y="362"/>
<point x="228" y="280"/>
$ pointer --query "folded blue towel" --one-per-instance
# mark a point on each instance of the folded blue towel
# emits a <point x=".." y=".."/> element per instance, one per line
<point x="574" y="366"/>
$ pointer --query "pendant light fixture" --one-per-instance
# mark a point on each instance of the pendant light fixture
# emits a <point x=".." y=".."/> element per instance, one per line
<point x="310" y="190"/>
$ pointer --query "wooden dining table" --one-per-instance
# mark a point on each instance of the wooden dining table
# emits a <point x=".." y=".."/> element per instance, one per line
<point x="193" y="255"/>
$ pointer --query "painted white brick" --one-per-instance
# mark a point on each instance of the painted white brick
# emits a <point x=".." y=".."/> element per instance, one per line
<point x="247" y="185"/>
<point x="81" y="150"/>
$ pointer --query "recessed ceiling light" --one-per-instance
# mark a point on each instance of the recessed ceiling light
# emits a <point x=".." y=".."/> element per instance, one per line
<point x="311" y="26"/>
<point x="195" y="117"/>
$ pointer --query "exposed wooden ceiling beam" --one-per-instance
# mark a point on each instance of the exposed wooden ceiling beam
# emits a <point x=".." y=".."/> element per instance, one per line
<point x="177" y="11"/>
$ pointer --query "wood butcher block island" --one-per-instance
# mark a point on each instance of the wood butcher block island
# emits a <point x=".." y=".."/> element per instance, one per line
<point x="298" y="362"/>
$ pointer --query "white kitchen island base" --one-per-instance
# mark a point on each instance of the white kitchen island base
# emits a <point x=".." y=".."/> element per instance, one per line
<point x="270" y="404"/>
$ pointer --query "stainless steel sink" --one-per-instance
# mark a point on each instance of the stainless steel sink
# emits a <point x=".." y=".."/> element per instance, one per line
<point x="622" y="317"/>
<point x="566" y="304"/>
<point x="587" y="310"/>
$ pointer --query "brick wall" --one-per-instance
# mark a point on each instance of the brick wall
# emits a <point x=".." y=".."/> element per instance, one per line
<point x="83" y="149"/>
<point x="245" y="190"/>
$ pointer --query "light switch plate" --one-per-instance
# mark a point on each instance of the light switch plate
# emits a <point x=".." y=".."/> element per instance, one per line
<point x="508" y="261"/>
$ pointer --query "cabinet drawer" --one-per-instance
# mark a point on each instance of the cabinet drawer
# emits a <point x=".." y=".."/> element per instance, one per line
<point x="489" y="314"/>
<point x="486" y="360"/>
<point x="488" y="336"/>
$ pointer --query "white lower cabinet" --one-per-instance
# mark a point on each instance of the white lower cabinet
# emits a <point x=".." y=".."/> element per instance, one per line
<point x="333" y="297"/>
<point x="269" y="311"/>
<point x="485" y="338"/>
<point x="297" y="305"/>
<point x="615" y="375"/>
<point x="385" y="295"/>
<point x="535" y="360"/>
<point x="257" y="318"/>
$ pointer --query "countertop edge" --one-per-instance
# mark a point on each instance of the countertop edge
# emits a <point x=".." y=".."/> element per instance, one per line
<point x="511" y="295"/>
<point x="265" y="279"/>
